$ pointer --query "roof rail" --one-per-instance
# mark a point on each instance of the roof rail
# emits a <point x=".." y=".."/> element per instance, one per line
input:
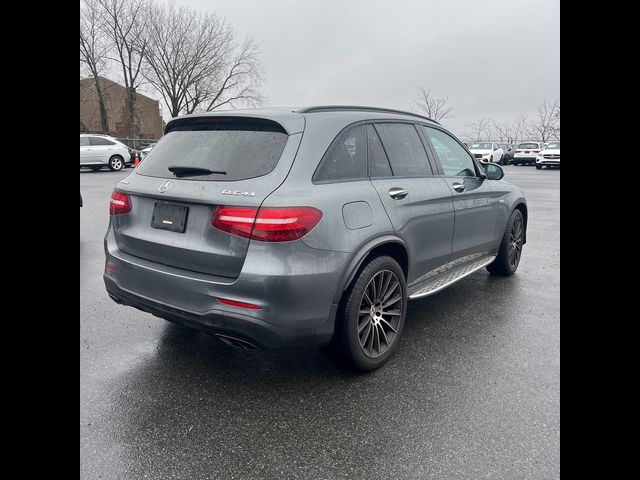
<point x="338" y="108"/>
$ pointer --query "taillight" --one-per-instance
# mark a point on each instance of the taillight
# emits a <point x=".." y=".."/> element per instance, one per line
<point x="536" y="151"/>
<point x="120" y="203"/>
<point x="235" y="303"/>
<point x="267" y="224"/>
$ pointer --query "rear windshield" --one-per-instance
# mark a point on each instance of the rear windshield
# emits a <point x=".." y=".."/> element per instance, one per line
<point x="529" y="145"/>
<point x="241" y="150"/>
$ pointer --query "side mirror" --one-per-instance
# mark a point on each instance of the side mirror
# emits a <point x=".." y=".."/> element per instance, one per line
<point x="493" y="170"/>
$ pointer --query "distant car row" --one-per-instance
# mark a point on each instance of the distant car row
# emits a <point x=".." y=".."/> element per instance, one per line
<point x="98" y="151"/>
<point x="527" y="153"/>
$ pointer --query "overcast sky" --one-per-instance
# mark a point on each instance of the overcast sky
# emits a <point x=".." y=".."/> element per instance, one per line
<point x="495" y="58"/>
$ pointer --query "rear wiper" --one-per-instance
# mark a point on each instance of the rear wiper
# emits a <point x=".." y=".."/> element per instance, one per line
<point x="192" y="171"/>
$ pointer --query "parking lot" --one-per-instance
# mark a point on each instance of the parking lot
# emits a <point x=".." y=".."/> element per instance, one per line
<point x="473" y="391"/>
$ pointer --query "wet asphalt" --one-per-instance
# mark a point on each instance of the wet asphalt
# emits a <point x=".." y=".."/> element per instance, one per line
<point x="472" y="393"/>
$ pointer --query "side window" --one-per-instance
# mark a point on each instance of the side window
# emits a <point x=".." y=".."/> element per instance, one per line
<point x="378" y="162"/>
<point x="454" y="159"/>
<point x="84" y="141"/>
<point x="346" y="158"/>
<point x="404" y="147"/>
<point x="100" y="141"/>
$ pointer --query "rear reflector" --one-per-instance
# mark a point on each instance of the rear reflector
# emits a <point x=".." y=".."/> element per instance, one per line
<point x="234" y="303"/>
<point x="269" y="224"/>
<point x="109" y="268"/>
<point x="120" y="203"/>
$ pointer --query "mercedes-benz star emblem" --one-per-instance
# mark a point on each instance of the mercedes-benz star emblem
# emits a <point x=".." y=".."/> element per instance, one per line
<point x="165" y="186"/>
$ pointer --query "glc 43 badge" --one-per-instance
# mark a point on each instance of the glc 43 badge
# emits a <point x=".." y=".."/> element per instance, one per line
<point x="237" y="192"/>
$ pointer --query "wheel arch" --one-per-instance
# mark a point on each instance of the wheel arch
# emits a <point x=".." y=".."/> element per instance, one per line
<point x="385" y="245"/>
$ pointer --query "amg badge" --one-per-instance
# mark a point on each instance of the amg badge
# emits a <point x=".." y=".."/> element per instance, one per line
<point x="236" y="192"/>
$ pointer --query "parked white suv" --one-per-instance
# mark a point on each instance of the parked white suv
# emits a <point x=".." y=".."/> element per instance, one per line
<point x="487" y="151"/>
<point x="97" y="151"/>
<point x="549" y="157"/>
<point x="527" y="152"/>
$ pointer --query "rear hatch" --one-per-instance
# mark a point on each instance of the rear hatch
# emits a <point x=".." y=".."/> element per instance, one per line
<point x="528" y="149"/>
<point x="200" y="164"/>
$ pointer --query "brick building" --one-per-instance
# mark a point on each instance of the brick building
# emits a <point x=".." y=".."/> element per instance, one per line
<point x="115" y="95"/>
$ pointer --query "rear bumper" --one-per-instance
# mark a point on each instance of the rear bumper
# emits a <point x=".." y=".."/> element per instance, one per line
<point x="294" y="287"/>
<point x="524" y="160"/>
<point x="254" y="333"/>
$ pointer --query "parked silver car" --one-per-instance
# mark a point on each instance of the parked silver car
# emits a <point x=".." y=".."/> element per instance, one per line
<point x="97" y="151"/>
<point x="314" y="226"/>
<point x="145" y="151"/>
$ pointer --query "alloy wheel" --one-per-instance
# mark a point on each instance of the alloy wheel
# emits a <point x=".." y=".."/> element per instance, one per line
<point x="379" y="314"/>
<point x="515" y="242"/>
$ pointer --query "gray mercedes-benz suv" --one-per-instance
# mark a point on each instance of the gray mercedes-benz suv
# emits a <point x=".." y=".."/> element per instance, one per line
<point x="314" y="226"/>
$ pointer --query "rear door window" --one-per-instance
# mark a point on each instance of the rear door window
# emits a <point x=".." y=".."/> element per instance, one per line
<point x="84" y="141"/>
<point x="406" y="153"/>
<point x="346" y="158"/>
<point x="240" y="150"/>
<point x="98" y="141"/>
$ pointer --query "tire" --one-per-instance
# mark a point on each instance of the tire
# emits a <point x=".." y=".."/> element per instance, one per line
<point x="364" y="350"/>
<point x="510" y="252"/>
<point x="116" y="163"/>
<point x="491" y="158"/>
<point x="539" y="167"/>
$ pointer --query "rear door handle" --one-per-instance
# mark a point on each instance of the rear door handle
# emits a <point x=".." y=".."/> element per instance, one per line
<point x="398" y="193"/>
<point x="458" y="187"/>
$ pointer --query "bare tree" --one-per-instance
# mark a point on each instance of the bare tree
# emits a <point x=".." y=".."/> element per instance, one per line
<point x="545" y="123"/>
<point x="124" y="22"/>
<point x="520" y="128"/>
<point x="184" y="47"/>
<point x="239" y="81"/>
<point x="481" y="129"/>
<point x="504" y="131"/>
<point x="195" y="64"/>
<point x="556" y="132"/>
<point x="93" y="53"/>
<point x="434" y="108"/>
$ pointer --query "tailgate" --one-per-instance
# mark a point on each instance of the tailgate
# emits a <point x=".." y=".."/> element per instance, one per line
<point x="181" y="234"/>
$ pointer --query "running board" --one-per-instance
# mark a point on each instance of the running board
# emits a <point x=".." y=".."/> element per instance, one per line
<point x="452" y="276"/>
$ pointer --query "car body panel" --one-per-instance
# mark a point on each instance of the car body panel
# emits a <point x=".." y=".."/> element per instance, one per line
<point x="476" y="216"/>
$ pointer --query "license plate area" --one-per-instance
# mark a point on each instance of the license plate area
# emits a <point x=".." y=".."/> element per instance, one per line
<point x="169" y="216"/>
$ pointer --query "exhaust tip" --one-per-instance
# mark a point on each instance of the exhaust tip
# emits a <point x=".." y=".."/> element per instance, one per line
<point x="237" y="342"/>
<point x="115" y="299"/>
